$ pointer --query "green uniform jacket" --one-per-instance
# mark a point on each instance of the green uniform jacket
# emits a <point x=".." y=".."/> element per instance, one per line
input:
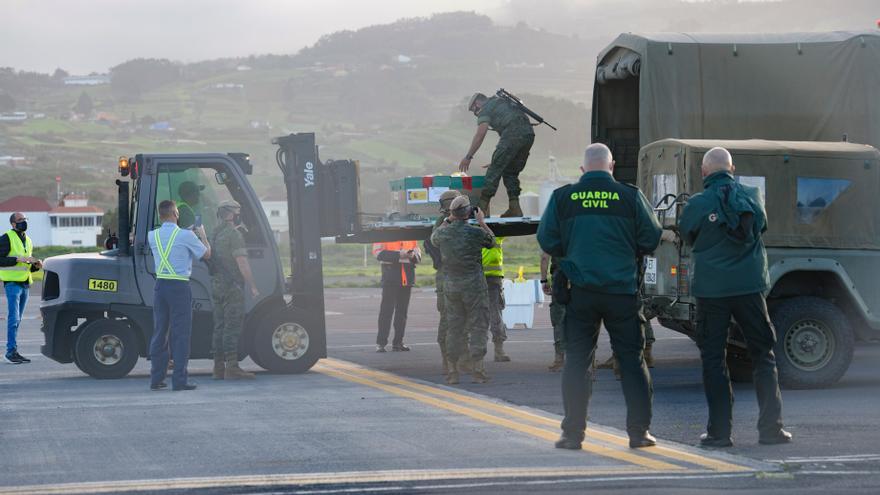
<point x="228" y="244"/>
<point x="726" y="263"/>
<point x="504" y="118"/>
<point x="462" y="248"/>
<point x="599" y="228"/>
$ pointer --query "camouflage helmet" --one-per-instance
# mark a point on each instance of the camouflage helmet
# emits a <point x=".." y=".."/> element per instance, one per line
<point x="447" y="197"/>
<point x="475" y="98"/>
<point x="227" y="206"/>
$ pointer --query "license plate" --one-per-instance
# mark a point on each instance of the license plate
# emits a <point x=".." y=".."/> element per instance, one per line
<point x="102" y="285"/>
<point x="651" y="271"/>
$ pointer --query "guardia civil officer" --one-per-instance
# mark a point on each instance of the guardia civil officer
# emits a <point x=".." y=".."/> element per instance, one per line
<point x="724" y="224"/>
<point x="230" y="275"/>
<point x="599" y="228"/>
<point x="174" y="250"/>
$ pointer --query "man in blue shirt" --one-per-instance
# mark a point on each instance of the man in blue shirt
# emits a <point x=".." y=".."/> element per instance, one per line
<point x="174" y="250"/>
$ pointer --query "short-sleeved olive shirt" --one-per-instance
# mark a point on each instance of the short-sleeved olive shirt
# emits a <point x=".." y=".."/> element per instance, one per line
<point x="504" y="118"/>
<point x="227" y="245"/>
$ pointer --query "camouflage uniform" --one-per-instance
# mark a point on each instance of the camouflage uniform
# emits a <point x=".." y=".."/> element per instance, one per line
<point x="557" y="314"/>
<point x="227" y="289"/>
<point x="516" y="139"/>
<point x="464" y="286"/>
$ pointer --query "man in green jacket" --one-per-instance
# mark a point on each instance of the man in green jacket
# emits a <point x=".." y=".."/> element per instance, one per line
<point x="516" y="137"/>
<point x="724" y="224"/>
<point x="600" y="227"/>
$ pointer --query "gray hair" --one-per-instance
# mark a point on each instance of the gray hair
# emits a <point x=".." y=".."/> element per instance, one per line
<point x="597" y="156"/>
<point x="166" y="209"/>
<point x="717" y="159"/>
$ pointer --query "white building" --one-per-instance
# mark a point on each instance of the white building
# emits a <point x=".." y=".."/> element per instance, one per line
<point x="75" y="223"/>
<point x="276" y="212"/>
<point x="37" y="212"/>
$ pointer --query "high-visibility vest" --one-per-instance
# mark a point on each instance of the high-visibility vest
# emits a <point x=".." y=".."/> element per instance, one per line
<point x="378" y="247"/>
<point x="493" y="259"/>
<point x="165" y="271"/>
<point x="20" y="272"/>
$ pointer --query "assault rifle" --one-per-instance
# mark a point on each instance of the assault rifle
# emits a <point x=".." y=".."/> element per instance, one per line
<point x="502" y="93"/>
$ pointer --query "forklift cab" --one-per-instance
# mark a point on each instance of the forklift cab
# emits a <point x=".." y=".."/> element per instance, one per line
<point x="97" y="307"/>
<point x="197" y="184"/>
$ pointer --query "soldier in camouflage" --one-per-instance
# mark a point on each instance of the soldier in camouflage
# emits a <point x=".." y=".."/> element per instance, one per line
<point x="230" y="274"/>
<point x="437" y="258"/>
<point x="550" y="265"/>
<point x="516" y="137"/>
<point x="467" y="301"/>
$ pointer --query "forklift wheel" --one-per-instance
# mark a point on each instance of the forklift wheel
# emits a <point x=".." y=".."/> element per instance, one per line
<point x="284" y="346"/>
<point x="106" y="349"/>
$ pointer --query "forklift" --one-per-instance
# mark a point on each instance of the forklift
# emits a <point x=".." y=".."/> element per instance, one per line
<point x="97" y="307"/>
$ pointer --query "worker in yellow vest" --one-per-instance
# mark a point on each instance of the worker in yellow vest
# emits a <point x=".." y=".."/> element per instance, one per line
<point x="493" y="270"/>
<point x="16" y="266"/>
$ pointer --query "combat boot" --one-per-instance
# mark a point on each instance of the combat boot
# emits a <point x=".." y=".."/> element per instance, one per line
<point x="558" y="363"/>
<point x="219" y="367"/>
<point x="513" y="209"/>
<point x="233" y="371"/>
<point x="649" y="356"/>
<point x="479" y="375"/>
<point x="465" y="365"/>
<point x="452" y="375"/>
<point x="500" y="356"/>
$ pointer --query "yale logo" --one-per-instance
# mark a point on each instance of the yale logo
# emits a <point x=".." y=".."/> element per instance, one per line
<point x="595" y="199"/>
<point x="309" y="174"/>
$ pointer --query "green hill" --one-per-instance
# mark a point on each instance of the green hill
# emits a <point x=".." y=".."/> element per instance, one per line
<point x="391" y="96"/>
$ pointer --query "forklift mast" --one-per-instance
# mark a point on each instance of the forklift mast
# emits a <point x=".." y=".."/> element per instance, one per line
<point x="297" y="157"/>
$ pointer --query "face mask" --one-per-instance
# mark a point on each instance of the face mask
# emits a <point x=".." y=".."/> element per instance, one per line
<point x="21" y="226"/>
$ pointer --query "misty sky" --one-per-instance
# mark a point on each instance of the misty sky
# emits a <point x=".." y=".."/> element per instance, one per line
<point x="82" y="36"/>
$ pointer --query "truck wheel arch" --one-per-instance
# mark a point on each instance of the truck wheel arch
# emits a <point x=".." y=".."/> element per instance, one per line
<point x="824" y="278"/>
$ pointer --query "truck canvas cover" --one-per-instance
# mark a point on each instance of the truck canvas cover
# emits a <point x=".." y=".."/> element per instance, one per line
<point x="797" y="86"/>
<point x="817" y="194"/>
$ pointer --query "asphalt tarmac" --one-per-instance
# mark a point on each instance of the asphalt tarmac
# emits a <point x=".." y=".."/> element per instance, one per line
<point x="385" y="423"/>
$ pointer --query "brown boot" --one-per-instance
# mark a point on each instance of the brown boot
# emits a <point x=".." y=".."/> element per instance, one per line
<point x="219" y="367"/>
<point x="500" y="356"/>
<point x="465" y="365"/>
<point x="479" y="375"/>
<point x="558" y="363"/>
<point x="233" y="371"/>
<point x="649" y="356"/>
<point x="452" y="376"/>
<point x="513" y="209"/>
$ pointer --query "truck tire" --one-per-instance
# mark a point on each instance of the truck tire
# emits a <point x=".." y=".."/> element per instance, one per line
<point x="282" y="345"/>
<point x="106" y="349"/>
<point x="814" y="342"/>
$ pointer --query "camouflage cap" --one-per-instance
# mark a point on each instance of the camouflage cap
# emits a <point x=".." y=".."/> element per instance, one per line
<point x="228" y="205"/>
<point x="447" y="197"/>
<point x="474" y="98"/>
<point x="459" y="203"/>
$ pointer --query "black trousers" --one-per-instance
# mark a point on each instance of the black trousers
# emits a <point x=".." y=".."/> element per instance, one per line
<point x="583" y="316"/>
<point x="713" y="324"/>
<point x="395" y="303"/>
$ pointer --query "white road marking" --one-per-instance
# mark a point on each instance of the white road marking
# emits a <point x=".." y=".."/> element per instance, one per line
<point x="838" y="458"/>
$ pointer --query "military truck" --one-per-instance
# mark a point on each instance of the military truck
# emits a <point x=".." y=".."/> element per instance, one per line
<point x="823" y="247"/>
<point x="782" y="86"/>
